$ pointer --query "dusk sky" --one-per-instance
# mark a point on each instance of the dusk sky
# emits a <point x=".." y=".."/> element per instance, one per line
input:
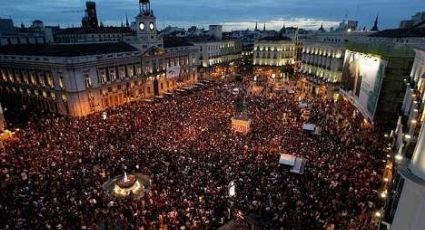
<point x="233" y="14"/>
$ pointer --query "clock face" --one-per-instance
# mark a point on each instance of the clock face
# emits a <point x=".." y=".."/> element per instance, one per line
<point x="142" y="26"/>
<point x="152" y="26"/>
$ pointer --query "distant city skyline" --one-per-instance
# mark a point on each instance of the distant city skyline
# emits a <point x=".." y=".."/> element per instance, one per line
<point x="235" y="14"/>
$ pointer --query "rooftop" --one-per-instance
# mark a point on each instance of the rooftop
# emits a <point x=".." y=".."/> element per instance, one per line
<point x="207" y="38"/>
<point x="66" y="50"/>
<point x="175" y="42"/>
<point x="401" y="33"/>
<point x="276" y="38"/>
<point x="98" y="30"/>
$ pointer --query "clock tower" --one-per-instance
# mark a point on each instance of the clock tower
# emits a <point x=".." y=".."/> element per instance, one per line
<point x="147" y="33"/>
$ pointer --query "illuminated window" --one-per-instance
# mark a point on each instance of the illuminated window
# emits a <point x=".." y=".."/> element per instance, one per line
<point x="64" y="98"/>
<point x="121" y="72"/>
<point x="61" y="85"/>
<point x="87" y="81"/>
<point x="32" y="77"/>
<point x="3" y="75"/>
<point x="11" y="78"/>
<point x="25" y="77"/>
<point x="112" y="74"/>
<point x="138" y="69"/>
<point x="41" y="79"/>
<point x="130" y="70"/>
<point x="50" y="80"/>
<point x="102" y="76"/>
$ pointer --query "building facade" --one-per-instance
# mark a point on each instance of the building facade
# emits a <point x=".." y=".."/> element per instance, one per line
<point x="274" y="51"/>
<point x="105" y="75"/>
<point x="321" y="64"/>
<point x="37" y="33"/>
<point x="416" y="19"/>
<point x="215" y="52"/>
<point x="77" y="79"/>
<point x="405" y="204"/>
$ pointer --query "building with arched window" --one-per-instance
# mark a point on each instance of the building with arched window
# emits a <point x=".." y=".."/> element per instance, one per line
<point x="274" y="51"/>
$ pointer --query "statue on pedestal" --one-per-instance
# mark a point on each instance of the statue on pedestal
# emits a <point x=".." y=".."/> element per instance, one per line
<point x="2" y="120"/>
<point x="240" y="122"/>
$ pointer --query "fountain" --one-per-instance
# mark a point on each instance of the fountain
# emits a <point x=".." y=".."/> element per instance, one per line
<point x="133" y="184"/>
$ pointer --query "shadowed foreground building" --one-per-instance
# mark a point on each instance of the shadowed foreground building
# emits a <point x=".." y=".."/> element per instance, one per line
<point x="404" y="209"/>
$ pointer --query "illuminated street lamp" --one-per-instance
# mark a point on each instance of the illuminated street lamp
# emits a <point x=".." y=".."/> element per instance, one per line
<point x="399" y="157"/>
<point x="384" y="194"/>
<point x="407" y="137"/>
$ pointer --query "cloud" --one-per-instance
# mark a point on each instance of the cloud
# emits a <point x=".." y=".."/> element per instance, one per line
<point x="306" y="23"/>
<point x="202" y="12"/>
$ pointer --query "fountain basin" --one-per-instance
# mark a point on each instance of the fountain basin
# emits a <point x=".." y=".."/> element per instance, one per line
<point x="134" y="185"/>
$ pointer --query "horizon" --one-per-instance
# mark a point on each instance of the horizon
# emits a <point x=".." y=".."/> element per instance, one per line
<point x="235" y="15"/>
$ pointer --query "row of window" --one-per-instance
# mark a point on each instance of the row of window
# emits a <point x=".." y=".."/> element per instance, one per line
<point x="30" y="77"/>
<point x="326" y="66"/>
<point x="284" y="48"/>
<point x="222" y="59"/>
<point x="274" y="62"/>
<point x="217" y="47"/>
<point x="323" y="52"/>
<point x="23" y="40"/>
<point x="231" y="55"/>
<point x="326" y="75"/>
<point x="320" y="60"/>
<point x="32" y="92"/>
<point x="114" y="73"/>
<point x="274" y="56"/>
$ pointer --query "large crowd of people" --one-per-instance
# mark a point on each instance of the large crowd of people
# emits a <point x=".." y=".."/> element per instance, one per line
<point x="52" y="174"/>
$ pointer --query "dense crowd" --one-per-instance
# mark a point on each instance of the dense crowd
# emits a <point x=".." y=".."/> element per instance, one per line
<point x="52" y="175"/>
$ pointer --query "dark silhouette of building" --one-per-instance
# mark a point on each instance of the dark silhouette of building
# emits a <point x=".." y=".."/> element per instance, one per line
<point x="375" y="25"/>
<point x="90" y="20"/>
<point x="321" y="29"/>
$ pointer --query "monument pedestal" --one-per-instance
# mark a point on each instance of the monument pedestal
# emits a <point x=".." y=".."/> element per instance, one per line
<point x="2" y="120"/>
<point x="241" y="125"/>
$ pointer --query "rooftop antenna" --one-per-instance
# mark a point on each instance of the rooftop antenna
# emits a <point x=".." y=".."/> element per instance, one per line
<point x="357" y="10"/>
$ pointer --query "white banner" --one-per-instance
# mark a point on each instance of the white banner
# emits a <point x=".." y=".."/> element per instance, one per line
<point x="173" y="72"/>
<point x="232" y="189"/>
<point x="286" y="159"/>
<point x="309" y="127"/>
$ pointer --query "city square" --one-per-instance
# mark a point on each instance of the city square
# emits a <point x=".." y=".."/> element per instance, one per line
<point x="141" y="127"/>
<point x="188" y="148"/>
